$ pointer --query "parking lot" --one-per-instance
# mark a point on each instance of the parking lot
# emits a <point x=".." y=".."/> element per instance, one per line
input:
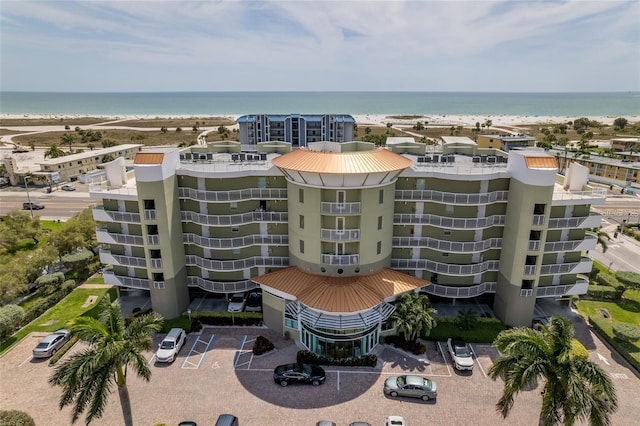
<point x="216" y="373"/>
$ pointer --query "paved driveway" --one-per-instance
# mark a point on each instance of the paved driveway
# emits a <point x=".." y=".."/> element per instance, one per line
<point x="216" y="373"/>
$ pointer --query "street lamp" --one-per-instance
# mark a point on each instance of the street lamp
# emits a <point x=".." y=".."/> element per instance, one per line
<point x="26" y="180"/>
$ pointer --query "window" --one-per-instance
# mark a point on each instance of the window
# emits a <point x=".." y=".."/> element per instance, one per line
<point x="235" y="229"/>
<point x="301" y="246"/>
<point x="149" y="204"/>
<point x="301" y="222"/>
<point x="379" y="247"/>
<point x="379" y="222"/>
<point x="301" y="195"/>
<point x="538" y="209"/>
<point x="381" y="196"/>
<point x="233" y="206"/>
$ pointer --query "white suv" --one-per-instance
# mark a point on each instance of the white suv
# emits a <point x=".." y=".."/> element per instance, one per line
<point x="170" y="346"/>
<point x="236" y="303"/>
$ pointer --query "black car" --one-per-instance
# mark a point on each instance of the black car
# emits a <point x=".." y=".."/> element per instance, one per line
<point x="254" y="302"/>
<point x="298" y="373"/>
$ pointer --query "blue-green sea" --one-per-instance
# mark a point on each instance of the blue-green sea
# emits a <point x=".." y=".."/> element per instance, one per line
<point x="236" y="103"/>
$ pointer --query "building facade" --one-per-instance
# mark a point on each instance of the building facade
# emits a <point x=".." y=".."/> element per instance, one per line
<point x="297" y="129"/>
<point x="506" y="142"/>
<point x="335" y="232"/>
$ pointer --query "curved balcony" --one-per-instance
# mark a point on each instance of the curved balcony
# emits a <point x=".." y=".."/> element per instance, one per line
<point x="105" y="237"/>
<point x="580" y="287"/>
<point x="339" y="208"/>
<point x="446" y="268"/>
<point x="588" y="243"/>
<point x="582" y="267"/>
<point x="122" y="281"/>
<point x="448" y="222"/>
<point x="460" y="292"/>
<point x="583" y="222"/>
<point x="234" y="219"/>
<point x="452" y="197"/>
<point x="221" y="286"/>
<point x="340" y="259"/>
<point x="108" y="258"/>
<point x="237" y="195"/>
<point x="447" y="246"/>
<point x="235" y="265"/>
<point x="325" y="321"/>
<point x="230" y="243"/>
<point x="102" y="215"/>
<point x="340" y="234"/>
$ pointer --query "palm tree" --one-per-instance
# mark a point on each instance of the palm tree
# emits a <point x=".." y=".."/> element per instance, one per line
<point x="467" y="319"/>
<point x="574" y="387"/>
<point x="67" y="138"/>
<point x="414" y="316"/>
<point x="54" y="151"/>
<point x="601" y="238"/>
<point x="87" y="376"/>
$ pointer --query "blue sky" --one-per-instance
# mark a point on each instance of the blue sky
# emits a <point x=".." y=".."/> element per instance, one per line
<point x="528" y="46"/>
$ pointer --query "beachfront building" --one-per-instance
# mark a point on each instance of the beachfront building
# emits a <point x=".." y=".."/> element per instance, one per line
<point x="333" y="233"/>
<point x="623" y="171"/>
<point x="297" y="129"/>
<point x="506" y="142"/>
<point x="625" y="144"/>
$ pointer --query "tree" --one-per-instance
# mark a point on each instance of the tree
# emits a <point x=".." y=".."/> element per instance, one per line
<point x="87" y="376"/>
<point x="467" y="319"/>
<point x="620" y="123"/>
<point x="488" y="123"/>
<point x="601" y="235"/>
<point x="54" y="151"/>
<point x="178" y="129"/>
<point x="32" y="145"/>
<point x="68" y="138"/>
<point x="163" y="129"/>
<point x="574" y="388"/>
<point x="107" y="158"/>
<point x="16" y="418"/>
<point x="414" y="316"/>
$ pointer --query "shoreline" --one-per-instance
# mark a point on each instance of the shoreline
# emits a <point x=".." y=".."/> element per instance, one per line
<point x="361" y="119"/>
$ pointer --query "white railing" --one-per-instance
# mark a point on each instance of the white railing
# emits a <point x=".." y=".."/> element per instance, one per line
<point x="526" y="292"/>
<point x="588" y="243"/>
<point x="591" y="221"/>
<point x="529" y="269"/>
<point x="235" y="219"/>
<point x="452" y="197"/>
<point x="339" y="208"/>
<point x="460" y="292"/>
<point x="237" y="195"/>
<point x="156" y="263"/>
<point x="580" y="287"/>
<point x="445" y="268"/>
<point x="227" y="243"/>
<point x="236" y="265"/>
<point x="153" y="239"/>
<point x="538" y="220"/>
<point x="340" y="259"/>
<point x="448" y="222"/>
<point x="583" y="266"/>
<point x="105" y="237"/>
<point x="447" y="246"/>
<point x="108" y="258"/>
<point x="150" y="214"/>
<point x="534" y="245"/>
<point x="316" y="320"/>
<point x="122" y="281"/>
<point x="340" y="234"/>
<point x="221" y="286"/>
<point x="593" y="194"/>
<point x="102" y="215"/>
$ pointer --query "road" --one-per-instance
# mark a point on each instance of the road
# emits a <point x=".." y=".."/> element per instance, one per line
<point x="58" y="204"/>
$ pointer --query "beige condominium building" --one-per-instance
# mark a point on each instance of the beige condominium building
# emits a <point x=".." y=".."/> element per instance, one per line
<point x="334" y="232"/>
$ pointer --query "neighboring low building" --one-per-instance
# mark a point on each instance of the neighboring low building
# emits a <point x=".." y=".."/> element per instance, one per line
<point x="625" y="172"/>
<point x="506" y="142"/>
<point x="624" y="144"/>
<point x="335" y="232"/>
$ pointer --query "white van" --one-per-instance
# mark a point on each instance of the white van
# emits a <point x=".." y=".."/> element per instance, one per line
<point x="170" y="346"/>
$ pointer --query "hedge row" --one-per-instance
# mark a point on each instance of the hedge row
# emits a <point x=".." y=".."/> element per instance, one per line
<point x="628" y="278"/>
<point x="600" y="326"/>
<point x="604" y="292"/>
<point x="486" y="330"/>
<point x="608" y="280"/>
<point x="309" y="357"/>
<point x="228" y="318"/>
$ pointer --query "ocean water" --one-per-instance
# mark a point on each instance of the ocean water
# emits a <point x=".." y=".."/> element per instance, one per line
<point x="236" y="103"/>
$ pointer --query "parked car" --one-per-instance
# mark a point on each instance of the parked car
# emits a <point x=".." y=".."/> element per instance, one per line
<point x="254" y="302"/>
<point x="227" y="420"/>
<point x="32" y="206"/>
<point x="325" y="423"/>
<point x="395" y="421"/>
<point x="68" y="187"/>
<point x="298" y="373"/>
<point x="171" y="344"/>
<point x="460" y="354"/>
<point x="359" y="424"/>
<point x="187" y="423"/>
<point x="236" y="303"/>
<point x="412" y="386"/>
<point x="51" y="343"/>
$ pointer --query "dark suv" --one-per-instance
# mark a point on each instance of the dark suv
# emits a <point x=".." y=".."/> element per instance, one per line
<point x="32" y="206"/>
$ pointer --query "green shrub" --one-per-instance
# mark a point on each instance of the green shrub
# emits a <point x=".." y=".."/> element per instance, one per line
<point x="309" y="357"/>
<point x="578" y="350"/>
<point x="628" y="278"/>
<point x="486" y="330"/>
<point x="68" y="286"/>
<point x="63" y="350"/>
<point x="262" y="345"/>
<point x="228" y="318"/>
<point x="15" y="418"/>
<point x="626" y="332"/>
<point x="610" y="280"/>
<point x="594" y="272"/>
<point x="604" y="292"/>
<point x="467" y="319"/>
<point x="623" y="348"/>
<point x="399" y="341"/>
<point x="11" y="316"/>
<point x="50" y="280"/>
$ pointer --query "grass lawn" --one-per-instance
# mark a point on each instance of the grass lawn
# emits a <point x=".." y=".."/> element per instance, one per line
<point x="55" y="318"/>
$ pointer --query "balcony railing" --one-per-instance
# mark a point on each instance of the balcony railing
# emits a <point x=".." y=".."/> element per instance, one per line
<point x="448" y="222"/>
<point x="156" y="263"/>
<point x="105" y="237"/>
<point x="452" y="197"/>
<point x="447" y="246"/>
<point x="340" y="259"/>
<point x="153" y="239"/>
<point x="339" y="208"/>
<point x="150" y="214"/>
<point x="228" y="243"/>
<point x="122" y="281"/>
<point x="340" y="234"/>
<point x="588" y="243"/>
<point x="583" y="266"/>
<point x="235" y="219"/>
<point x="238" y="195"/>
<point x="446" y="268"/>
<point x="102" y="215"/>
<point x="460" y="292"/>
<point x="236" y="265"/>
<point x="534" y="245"/>
<point x="580" y="287"/>
<point x="529" y="269"/>
<point x="108" y="258"/>
<point x="221" y="286"/>
<point x="538" y="220"/>
<point x="598" y="194"/>
<point x="585" y="222"/>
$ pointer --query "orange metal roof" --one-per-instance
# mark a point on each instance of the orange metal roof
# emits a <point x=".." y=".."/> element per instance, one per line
<point x="378" y="160"/>
<point x="148" y="158"/>
<point x="340" y="294"/>
<point x="545" y="162"/>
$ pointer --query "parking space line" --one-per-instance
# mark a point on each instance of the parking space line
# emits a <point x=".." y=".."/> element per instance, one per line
<point x="186" y="364"/>
<point x="23" y="362"/>
<point x="444" y="357"/>
<point x="151" y="360"/>
<point x="242" y="351"/>
<point x="477" y="360"/>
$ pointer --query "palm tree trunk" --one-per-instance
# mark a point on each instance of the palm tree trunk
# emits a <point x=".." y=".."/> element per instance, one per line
<point x="125" y="403"/>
